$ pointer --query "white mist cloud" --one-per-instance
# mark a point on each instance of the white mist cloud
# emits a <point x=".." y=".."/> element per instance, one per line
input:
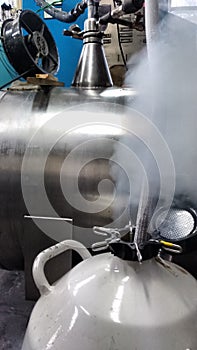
<point x="167" y="96"/>
<point x="167" y="86"/>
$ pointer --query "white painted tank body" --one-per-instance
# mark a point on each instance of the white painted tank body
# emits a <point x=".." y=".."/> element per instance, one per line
<point x="106" y="303"/>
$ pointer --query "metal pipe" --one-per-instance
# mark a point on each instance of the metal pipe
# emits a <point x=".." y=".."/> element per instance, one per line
<point x="145" y="208"/>
<point x="151" y="20"/>
<point x="63" y="16"/>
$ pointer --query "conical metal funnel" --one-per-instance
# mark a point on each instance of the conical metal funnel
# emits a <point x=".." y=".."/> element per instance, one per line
<point x="92" y="70"/>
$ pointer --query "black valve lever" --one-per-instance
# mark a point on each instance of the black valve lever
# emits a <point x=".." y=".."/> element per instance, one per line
<point x="107" y="18"/>
<point x="74" y="31"/>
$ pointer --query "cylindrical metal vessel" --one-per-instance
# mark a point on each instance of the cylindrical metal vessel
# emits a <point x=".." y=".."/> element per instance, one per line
<point x="108" y="303"/>
<point x="50" y="138"/>
<point x="56" y="148"/>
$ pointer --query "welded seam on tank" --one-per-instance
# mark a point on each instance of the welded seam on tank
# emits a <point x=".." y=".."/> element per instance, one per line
<point x="41" y="100"/>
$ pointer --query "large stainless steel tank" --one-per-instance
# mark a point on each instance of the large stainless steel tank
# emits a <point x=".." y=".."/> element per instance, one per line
<point x="47" y="116"/>
<point x="57" y="147"/>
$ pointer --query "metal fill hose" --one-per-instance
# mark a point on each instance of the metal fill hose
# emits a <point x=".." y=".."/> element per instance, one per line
<point x="63" y="16"/>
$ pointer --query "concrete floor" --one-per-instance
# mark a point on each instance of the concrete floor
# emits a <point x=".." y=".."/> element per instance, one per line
<point x="14" y="309"/>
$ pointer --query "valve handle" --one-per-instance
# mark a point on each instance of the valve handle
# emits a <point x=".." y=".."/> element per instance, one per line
<point x="49" y="253"/>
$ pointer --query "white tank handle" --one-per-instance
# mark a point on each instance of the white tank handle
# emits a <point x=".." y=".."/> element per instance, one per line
<point x="49" y="253"/>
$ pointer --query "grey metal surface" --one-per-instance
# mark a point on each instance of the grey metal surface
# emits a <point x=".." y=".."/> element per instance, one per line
<point x="184" y="9"/>
<point x="14" y="310"/>
<point x="22" y="114"/>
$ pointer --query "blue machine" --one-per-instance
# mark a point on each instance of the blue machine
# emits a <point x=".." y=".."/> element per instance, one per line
<point x="69" y="49"/>
<point x="7" y="71"/>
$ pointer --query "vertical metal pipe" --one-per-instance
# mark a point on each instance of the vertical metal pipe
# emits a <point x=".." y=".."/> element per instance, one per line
<point x="146" y="203"/>
<point x="144" y="215"/>
<point x="91" y="9"/>
<point x="151" y="20"/>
